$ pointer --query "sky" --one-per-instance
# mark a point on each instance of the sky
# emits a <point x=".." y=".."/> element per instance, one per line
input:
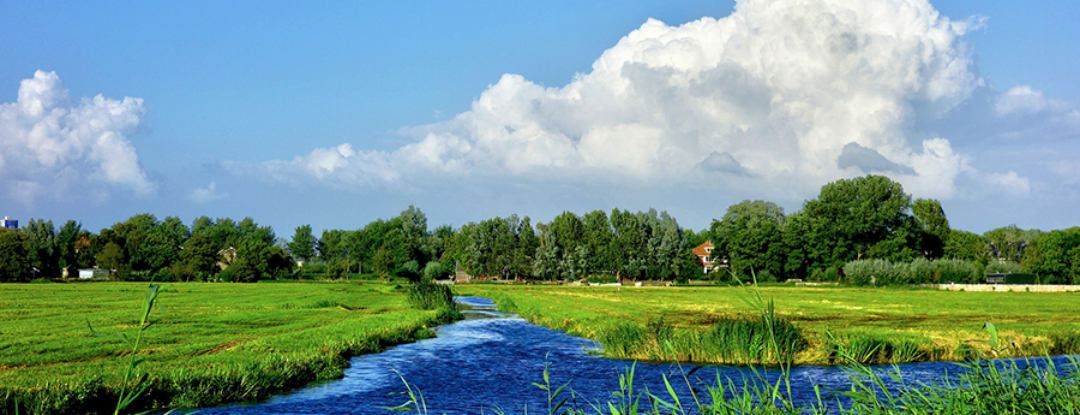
<point x="335" y="114"/>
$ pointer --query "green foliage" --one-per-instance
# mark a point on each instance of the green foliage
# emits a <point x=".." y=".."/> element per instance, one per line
<point x="861" y="218"/>
<point x="1002" y="267"/>
<point x="920" y="271"/>
<point x="303" y="243"/>
<point x="14" y="256"/>
<point x="427" y="296"/>
<point x="434" y="270"/>
<point x="1010" y="242"/>
<point x="1055" y="257"/>
<point x="931" y="219"/>
<point x="749" y="236"/>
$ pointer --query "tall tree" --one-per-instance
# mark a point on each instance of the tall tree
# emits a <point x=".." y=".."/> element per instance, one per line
<point x="69" y="241"/>
<point x="966" y="246"/>
<point x="414" y="228"/>
<point x="1008" y="243"/>
<point x="14" y="256"/>
<point x="303" y="243"/>
<point x="1052" y="256"/>
<point x="935" y="226"/>
<point x="864" y="217"/>
<point x="43" y="247"/>
<point x="749" y="236"/>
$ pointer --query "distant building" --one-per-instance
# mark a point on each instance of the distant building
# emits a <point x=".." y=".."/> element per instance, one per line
<point x="226" y="257"/>
<point x="703" y="253"/>
<point x="460" y="276"/>
<point x="10" y="223"/>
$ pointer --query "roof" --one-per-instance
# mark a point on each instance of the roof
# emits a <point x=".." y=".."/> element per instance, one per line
<point x="701" y="249"/>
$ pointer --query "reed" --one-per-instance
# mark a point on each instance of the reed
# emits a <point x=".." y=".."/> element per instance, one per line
<point x="429" y="296"/>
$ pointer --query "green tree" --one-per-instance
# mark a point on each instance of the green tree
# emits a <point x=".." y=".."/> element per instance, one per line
<point x="113" y="258"/>
<point x="1051" y="256"/>
<point x="935" y="226"/>
<point x="303" y="243"/>
<point x="1008" y="243"/>
<point x="630" y="249"/>
<point x="68" y="243"/>
<point x="43" y="246"/>
<point x="966" y="246"/>
<point x="597" y="241"/>
<point x="198" y="258"/>
<point x="14" y="256"/>
<point x="851" y="216"/>
<point x="750" y="237"/>
<point x="414" y="228"/>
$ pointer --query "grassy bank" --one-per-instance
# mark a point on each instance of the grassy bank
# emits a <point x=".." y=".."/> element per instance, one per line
<point x="875" y="325"/>
<point x="208" y="344"/>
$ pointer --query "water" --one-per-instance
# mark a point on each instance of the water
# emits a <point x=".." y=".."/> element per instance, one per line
<point x="490" y="360"/>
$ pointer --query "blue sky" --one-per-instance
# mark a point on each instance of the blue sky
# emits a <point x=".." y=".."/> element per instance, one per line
<point x="335" y="114"/>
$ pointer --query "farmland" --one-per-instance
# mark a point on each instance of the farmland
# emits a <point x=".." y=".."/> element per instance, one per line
<point x="207" y="344"/>
<point x="877" y="325"/>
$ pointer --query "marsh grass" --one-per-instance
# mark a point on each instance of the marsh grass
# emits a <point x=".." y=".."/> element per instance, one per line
<point x="874" y="349"/>
<point x="1012" y="386"/>
<point x="919" y="324"/>
<point x="1067" y="342"/>
<point x="429" y="296"/>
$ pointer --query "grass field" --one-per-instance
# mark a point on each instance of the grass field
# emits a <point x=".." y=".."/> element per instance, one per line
<point x="876" y="325"/>
<point x="208" y="344"/>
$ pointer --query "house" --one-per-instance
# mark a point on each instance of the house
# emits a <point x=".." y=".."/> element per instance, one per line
<point x="460" y="276"/>
<point x="226" y="257"/>
<point x="703" y="253"/>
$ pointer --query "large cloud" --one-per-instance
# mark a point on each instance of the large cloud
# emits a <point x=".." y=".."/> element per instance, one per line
<point x="51" y="146"/>
<point x="794" y="93"/>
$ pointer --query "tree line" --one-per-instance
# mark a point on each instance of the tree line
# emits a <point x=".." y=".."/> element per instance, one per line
<point x="862" y="218"/>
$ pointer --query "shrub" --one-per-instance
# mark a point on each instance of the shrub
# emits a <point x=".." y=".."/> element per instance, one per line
<point x="921" y="271"/>
<point x="1001" y="267"/>
<point x="957" y="270"/>
<point x="880" y="271"/>
<point x="765" y="276"/>
<point x="433" y="270"/>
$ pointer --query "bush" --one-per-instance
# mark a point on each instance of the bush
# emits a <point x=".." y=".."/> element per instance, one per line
<point x="957" y="270"/>
<point x="765" y="276"/>
<point x="1001" y="267"/>
<point x="921" y="271"/>
<point x="433" y="270"/>
<point x="429" y="296"/>
<point x="876" y="271"/>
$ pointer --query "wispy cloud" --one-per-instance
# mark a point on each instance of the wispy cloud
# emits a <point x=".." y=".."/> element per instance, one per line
<point x="204" y="195"/>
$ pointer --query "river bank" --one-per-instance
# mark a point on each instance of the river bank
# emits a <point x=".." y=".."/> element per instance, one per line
<point x="878" y="325"/>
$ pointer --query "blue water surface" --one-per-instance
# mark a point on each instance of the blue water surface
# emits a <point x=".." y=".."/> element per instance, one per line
<point x="489" y="362"/>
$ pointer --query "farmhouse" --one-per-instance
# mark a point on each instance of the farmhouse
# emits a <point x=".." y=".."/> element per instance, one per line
<point x="703" y="253"/>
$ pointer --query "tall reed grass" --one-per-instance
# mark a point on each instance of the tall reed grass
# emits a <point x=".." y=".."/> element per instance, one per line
<point x="919" y="271"/>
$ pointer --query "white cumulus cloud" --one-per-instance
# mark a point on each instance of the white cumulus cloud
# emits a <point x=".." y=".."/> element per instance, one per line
<point x="51" y="144"/>
<point x="775" y="92"/>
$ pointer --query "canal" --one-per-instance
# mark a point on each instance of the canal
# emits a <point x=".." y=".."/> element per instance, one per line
<point x="488" y="363"/>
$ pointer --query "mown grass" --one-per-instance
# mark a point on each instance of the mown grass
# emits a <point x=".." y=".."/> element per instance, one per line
<point x="209" y="343"/>
<point x="879" y="325"/>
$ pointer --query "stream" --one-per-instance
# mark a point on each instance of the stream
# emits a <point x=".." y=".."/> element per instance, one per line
<point x="488" y="363"/>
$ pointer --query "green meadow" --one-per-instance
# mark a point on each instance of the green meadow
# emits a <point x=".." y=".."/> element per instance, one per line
<point x="874" y="325"/>
<point x="61" y="349"/>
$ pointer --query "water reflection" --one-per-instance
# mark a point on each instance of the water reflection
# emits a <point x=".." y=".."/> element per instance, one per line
<point x="490" y="360"/>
